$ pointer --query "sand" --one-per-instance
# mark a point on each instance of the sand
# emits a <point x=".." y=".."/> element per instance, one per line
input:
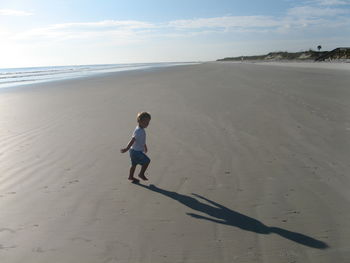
<point x="250" y="163"/>
<point x="345" y="65"/>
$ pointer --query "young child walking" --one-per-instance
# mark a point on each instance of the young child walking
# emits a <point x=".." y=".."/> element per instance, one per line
<point x="137" y="147"/>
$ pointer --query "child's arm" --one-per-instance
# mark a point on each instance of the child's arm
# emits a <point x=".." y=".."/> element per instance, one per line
<point x="129" y="145"/>
<point x="146" y="149"/>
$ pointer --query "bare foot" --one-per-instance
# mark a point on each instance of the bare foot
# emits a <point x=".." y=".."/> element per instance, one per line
<point x="143" y="177"/>
<point x="134" y="180"/>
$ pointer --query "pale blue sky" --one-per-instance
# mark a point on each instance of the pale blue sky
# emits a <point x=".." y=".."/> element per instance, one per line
<point x="71" y="32"/>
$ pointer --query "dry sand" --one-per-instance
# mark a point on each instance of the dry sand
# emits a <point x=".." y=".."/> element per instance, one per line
<point x="322" y="65"/>
<point x="250" y="163"/>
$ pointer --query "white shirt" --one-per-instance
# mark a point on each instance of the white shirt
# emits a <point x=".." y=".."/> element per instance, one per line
<point x="140" y="139"/>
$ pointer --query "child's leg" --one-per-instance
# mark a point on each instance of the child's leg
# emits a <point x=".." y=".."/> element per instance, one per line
<point x="143" y="170"/>
<point x="132" y="171"/>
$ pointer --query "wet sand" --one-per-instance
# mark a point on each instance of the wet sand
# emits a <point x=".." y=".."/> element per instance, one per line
<point x="250" y="163"/>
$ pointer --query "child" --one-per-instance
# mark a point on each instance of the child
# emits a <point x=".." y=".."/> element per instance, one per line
<point x="137" y="147"/>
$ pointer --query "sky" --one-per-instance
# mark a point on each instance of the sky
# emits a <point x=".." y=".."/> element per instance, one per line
<point x="79" y="32"/>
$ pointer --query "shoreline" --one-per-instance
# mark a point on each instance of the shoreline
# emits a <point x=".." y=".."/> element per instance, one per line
<point x="14" y="77"/>
<point x="309" y="64"/>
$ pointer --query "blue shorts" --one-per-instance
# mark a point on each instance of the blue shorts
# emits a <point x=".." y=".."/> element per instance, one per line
<point x="138" y="157"/>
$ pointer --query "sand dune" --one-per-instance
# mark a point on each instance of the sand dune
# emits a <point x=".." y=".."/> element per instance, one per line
<point x="250" y="163"/>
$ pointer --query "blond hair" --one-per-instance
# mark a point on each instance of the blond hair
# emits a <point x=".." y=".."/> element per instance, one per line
<point x="143" y="115"/>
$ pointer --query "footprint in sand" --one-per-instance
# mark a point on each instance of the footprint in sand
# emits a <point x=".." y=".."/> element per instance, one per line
<point x="6" y="247"/>
<point x="7" y="230"/>
<point x="70" y="183"/>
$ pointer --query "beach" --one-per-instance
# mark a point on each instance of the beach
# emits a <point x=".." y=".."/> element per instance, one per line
<point x="249" y="163"/>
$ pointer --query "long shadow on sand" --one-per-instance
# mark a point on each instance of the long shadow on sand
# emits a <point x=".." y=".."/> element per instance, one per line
<point x="223" y="215"/>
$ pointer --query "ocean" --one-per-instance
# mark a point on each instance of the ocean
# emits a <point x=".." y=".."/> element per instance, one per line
<point x="12" y="77"/>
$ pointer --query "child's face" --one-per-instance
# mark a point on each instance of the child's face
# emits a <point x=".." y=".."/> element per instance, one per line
<point x="144" y="123"/>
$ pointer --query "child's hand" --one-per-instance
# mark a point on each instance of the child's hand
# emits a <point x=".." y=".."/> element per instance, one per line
<point x="123" y="150"/>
